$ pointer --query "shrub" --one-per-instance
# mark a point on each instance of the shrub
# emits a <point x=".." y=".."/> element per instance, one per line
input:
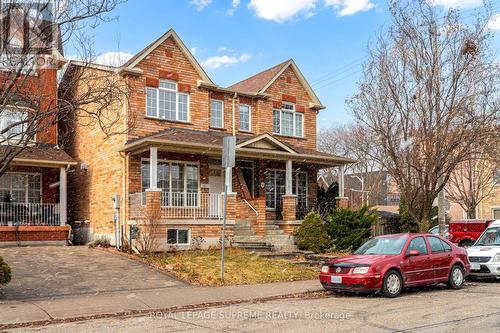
<point x="100" y="242"/>
<point x="312" y="235"/>
<point x="407" y="222"/>
<point x="348" y="228"/>
<point x="5" y="273"/>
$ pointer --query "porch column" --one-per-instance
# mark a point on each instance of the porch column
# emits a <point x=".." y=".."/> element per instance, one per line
<point x="341" y="201"/>
<point x="153" y="166"/>
<point x="341" y="181"/>
<point x="63" y="203"/>
<point x="289" y="200"/>
<point x="288" y="178"/>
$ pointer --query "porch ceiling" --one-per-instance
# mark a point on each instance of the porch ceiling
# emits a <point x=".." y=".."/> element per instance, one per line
<point x="210" y="143"/>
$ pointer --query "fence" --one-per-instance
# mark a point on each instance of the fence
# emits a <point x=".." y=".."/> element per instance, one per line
<point x="15" y="213"/>
<point x="182" y="205"/>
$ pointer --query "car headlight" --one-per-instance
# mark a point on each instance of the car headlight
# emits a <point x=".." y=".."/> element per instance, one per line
<point x="325" y="269"/>
<point x="496" y="258"/>
<point x="360" y="270"/>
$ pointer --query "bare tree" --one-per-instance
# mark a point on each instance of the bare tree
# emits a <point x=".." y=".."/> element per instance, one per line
<point x="428" y="96"/>
<point x="475" y="179"/>
<point x="353" y="142"/>
<point x="31" y="44"/>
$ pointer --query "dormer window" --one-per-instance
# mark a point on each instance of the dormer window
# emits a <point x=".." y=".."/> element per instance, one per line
<point x="165" y="102"/>
<point x="287" y="121"/>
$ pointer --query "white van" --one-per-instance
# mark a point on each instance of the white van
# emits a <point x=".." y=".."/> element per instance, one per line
<point x="484" y="255"/>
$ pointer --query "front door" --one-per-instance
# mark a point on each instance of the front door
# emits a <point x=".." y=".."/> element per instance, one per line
<point x="215" y="188"/>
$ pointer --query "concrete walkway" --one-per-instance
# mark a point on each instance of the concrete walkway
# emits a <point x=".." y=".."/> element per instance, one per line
<point x="86" y="305"/>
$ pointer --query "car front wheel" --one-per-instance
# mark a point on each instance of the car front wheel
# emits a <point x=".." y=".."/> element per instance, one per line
<point x="393" y="284"/>
<point x="457" y="277"/>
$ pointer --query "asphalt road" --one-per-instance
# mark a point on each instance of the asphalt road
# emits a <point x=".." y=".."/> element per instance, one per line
<point x="475" y="308"/>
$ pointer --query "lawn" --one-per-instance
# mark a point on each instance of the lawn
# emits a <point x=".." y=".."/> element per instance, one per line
<point x="241" y="267"/>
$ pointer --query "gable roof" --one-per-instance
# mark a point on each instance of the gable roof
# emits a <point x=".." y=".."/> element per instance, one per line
<point x="268" y="139"/>
<point x="260" y="82"/>
<point x="151" y="47"/>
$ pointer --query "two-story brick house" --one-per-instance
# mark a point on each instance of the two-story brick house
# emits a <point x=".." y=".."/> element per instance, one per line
<point x="169" y="155"/>
<point x="33" y="193"/>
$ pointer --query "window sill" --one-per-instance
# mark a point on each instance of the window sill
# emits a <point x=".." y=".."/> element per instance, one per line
<point x="169" y="120"/>
<point x="217" y="128"/>
<point x="290" y="136"/>
<point x="246" y="132"/>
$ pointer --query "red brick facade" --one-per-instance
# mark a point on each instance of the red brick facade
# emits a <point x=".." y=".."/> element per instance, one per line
<point x="112" y="172"/>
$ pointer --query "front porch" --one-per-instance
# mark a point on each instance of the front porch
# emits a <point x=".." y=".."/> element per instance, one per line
<point x="272" y="188"/>
<point x="33" y="198"/>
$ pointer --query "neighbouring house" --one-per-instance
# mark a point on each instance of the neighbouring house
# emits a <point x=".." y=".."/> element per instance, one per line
<point x="33" y="192"/>
<point x="167" y="159"/>
<point x="376" y="188"/>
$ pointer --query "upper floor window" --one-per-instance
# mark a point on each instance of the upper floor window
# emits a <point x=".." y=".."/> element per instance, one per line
<point x="12" y="124"/>
<point x="216" y="113"/>
<point x="165" y="102"/>
<point x="288" y="122"/>
<point x="496" y="177"/>
<point x="245" y="118"/>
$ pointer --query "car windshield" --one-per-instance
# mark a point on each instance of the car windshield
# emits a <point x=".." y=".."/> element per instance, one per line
<point x="382" y="245"/>
<point x="491" y="237"/>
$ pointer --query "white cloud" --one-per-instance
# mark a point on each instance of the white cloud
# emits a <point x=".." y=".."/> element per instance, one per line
<point x="225" y="60"/>
<point x="194" y="49"/>
<point x="234" y="6"/>
<point x="494" y="22"/>
<point x="200" y="4"/>
<point x="349" y="7"/>
<point x="457" y="3"/>
<point x="224" y="49"/>
<point x="282" y="10"/>
<point x="113" y="58"/>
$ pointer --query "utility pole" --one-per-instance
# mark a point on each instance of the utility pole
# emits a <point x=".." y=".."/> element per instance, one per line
<point x="441" y="212"/>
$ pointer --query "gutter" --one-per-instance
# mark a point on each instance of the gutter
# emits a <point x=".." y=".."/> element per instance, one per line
<point x="206" y="85"/>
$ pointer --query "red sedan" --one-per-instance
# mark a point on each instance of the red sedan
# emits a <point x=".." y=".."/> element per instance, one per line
<point x="389" y="263"/>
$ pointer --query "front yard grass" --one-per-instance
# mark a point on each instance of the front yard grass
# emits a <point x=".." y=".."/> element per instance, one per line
<point x="202" y="267"/>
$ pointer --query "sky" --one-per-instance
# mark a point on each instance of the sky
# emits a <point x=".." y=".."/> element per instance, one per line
<point x="234" y="39"/>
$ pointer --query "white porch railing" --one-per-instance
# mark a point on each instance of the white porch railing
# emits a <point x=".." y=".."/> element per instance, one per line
<point x="181" y="205"/>
<point x="15" y="213"/>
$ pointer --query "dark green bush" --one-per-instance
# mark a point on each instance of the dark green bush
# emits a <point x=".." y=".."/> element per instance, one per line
<point x="407" y="222"/>
<point x="348" y="229"/>
<point x="5" y="273"/>
<point x="312" y="235"/>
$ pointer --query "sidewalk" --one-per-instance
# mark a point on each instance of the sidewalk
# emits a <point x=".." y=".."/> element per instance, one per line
<point x="25" y="311"/>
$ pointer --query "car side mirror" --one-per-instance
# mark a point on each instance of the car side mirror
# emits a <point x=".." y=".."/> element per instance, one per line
<point x="414" y="253"/>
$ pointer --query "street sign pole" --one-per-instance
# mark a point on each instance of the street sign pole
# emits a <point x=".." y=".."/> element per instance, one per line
<point x="223" y="233"/>
<point x="228" y="161"/>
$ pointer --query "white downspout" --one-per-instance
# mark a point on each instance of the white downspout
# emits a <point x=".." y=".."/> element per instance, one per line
<point x="234" y="114"/>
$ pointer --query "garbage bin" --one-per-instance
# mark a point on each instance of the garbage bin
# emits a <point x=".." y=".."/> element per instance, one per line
<point x="81" y="232"/>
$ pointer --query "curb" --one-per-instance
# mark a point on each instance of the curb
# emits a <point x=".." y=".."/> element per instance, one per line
<point x="196" y="307"/>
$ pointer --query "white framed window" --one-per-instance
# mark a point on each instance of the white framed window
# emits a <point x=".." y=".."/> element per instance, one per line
<point x="216" y="113"/>
<point x="245" y="117"/>
<point x="13" y="122"/>
<point x="496" y="177"/>
<point x="21" y="187"/>
<point x="288" y="122"/>
<point x="179" y="182"/>
<point x="178" y="236"/>
<point x="165" y="102"/>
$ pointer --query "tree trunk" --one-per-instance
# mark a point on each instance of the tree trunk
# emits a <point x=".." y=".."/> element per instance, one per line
<point x="425" y="222"/>
<point x="471" y="213"/>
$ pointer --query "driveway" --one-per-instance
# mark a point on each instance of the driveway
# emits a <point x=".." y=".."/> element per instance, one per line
<point x="53" y="271"/>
